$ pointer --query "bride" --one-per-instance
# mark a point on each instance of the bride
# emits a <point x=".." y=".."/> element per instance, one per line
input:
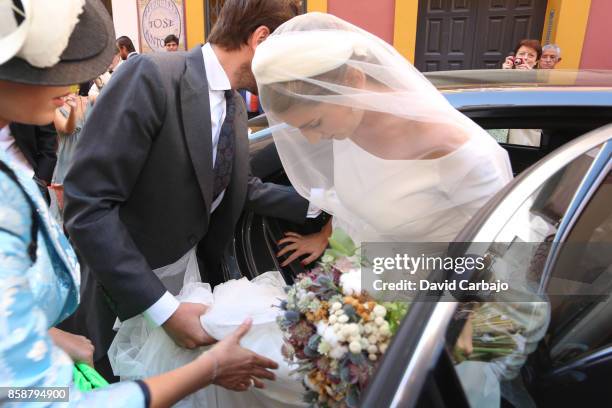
<point x="365" y="137"/>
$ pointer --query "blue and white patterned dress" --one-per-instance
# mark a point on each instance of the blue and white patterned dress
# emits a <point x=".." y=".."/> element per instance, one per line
<point x="35" y="297"/>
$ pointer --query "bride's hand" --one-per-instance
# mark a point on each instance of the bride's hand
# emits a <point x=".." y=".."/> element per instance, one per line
<point x="238" y="368"/>
<point x="312" y="245"/>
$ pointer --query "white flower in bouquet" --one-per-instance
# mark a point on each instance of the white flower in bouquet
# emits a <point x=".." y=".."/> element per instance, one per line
<point x="327" y="333"/>
<point x="351" y="282"/>
<point x="338" y="352"/>
<point x="355" y="347"/>
<point x="380" y="311"/>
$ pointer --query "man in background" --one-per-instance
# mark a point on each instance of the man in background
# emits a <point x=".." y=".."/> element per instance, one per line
<point x="103" y="79"/>
<point x="171" y="43"/>
<point x="126" y="47"/>
<point x="551" y="56"/>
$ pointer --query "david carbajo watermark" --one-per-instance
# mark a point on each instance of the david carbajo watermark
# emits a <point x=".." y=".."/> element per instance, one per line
<point x="405" y="263"/>
<point x="454" y="285"/>
<point x="514" y="271"/>
<point x="394" y="271"/>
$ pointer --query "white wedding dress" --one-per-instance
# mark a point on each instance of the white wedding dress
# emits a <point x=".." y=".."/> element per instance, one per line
<point x="140" y="350"/>
<point x="414" y="200"/>
<point x="403" y="191"/>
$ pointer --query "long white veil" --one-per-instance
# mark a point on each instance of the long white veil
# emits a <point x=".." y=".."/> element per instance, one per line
<point x="323" y="79"/>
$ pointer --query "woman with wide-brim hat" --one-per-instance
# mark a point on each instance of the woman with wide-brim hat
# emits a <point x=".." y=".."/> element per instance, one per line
<point x="44" y="48"/>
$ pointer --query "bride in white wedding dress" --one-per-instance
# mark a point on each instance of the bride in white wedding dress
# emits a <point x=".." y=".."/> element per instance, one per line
<point x="364" y="136"/>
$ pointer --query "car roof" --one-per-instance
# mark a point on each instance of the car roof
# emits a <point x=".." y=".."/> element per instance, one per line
<point x="510" y="78"/>
<point x="501" y="87"/>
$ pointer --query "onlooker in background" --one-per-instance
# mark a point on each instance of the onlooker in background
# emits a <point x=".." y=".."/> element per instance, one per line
<point x="103" y="79"/>
<point x="551" y="56"/>
<point x="526" y="56"/>
<point x="527" y="53"/>
<point x="126" y="47"/>
<point x="33" y="148"/>
<point x="69" y="120"/>
<point x="171" y="43"/>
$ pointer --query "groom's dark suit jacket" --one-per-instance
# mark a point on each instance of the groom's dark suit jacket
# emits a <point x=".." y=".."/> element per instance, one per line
<point x="139" y="193"/>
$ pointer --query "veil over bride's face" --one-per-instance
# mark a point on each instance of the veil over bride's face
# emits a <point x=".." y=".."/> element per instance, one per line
<point x="328" y="88"/>
<point x="323" y="121"/>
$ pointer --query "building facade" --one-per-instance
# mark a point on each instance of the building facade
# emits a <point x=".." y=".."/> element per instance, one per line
<point x="437" y="34"/>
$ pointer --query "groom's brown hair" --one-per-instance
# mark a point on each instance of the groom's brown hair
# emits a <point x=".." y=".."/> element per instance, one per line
<point x="238" y="19"/>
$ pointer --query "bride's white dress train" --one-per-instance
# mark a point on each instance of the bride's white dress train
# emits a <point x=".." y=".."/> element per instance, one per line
<point x="140" y="350"/>
<point x="456" y="185"/>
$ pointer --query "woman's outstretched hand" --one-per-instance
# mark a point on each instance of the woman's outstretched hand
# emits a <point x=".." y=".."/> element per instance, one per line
<point x="238" y="368"/>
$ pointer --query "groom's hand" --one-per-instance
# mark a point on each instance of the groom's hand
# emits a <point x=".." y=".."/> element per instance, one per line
<point x="184" y="326"/>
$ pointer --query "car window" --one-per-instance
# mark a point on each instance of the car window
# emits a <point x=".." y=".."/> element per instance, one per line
<point x="519" y="137"/>
<point x="581" y="324"/>
<point x="505" y="332"/>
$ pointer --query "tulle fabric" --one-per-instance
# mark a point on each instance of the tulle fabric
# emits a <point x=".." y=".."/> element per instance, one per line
<point x="365" y="94"/>
<point x="140" y="350"/>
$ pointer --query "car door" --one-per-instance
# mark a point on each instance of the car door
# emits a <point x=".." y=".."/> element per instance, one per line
<point x="254" y="247"/>
<point x="564" y="195"/>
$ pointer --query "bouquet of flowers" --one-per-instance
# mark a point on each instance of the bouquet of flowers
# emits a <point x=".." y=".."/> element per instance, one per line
<point x="335" y="333"/>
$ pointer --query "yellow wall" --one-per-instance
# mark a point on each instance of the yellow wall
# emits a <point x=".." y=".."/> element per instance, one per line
<point x="405" y="27"/>
<point x="316" y="5"/>
<point x="568" y="29"/>
<point x="194" y="21"/>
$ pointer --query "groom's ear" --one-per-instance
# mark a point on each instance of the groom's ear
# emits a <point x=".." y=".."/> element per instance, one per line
<point x="258" y="36"/>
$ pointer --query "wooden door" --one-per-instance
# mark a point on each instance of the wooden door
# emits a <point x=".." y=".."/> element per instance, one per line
<point x="445" y="34"/>
<point x="471" y="34"/>
<point x="501" y="25"/>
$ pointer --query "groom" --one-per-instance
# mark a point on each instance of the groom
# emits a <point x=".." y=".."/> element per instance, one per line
<point x="162" y="167"/>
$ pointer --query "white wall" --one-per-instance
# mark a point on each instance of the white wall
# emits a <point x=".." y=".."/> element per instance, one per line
<point x="125" y="19"/>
